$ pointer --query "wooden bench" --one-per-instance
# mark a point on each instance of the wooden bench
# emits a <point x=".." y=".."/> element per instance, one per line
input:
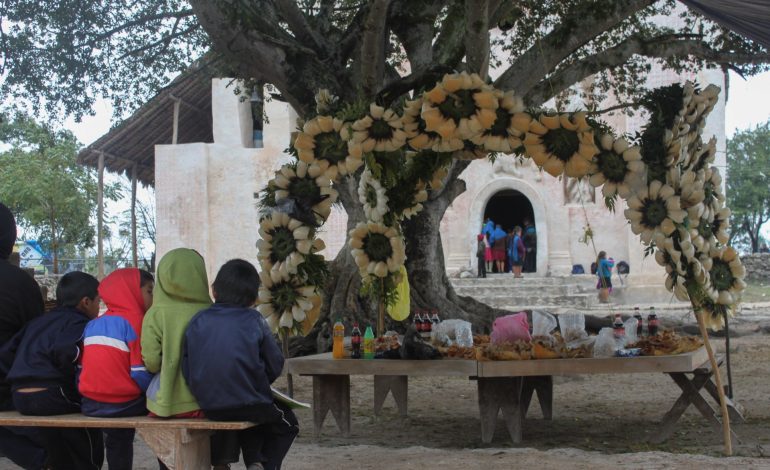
<point x="503" y="387"/>
<point x="182" y="444"/>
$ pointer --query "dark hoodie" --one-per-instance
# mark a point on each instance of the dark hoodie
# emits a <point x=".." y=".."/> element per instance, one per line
<point x="113" y="371"/>
<point x="20" y="297"/>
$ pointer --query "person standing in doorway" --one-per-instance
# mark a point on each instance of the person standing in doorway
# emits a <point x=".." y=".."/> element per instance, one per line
<point x="518" y="252"/>
<point x="481" y="249"/>
<point x="529" y="237"/>
<point x="498" y="248"/>
<point x="487" y="254"/>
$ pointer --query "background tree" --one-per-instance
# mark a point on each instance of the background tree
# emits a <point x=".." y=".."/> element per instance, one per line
<point x="53" y="197"/>
<point x="361" y="51"/>
<point x="748" y="191"/>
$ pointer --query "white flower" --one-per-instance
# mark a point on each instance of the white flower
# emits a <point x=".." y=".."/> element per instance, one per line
<point x="377" y="249"/>
<point x="420" y="196"/>
<point x="308" y="185"/>
<point x="617" y="166"/>
<point x="285" y="302"/>
<point x="654" y="210"/>
<point x="372" y="196"/>
<point x="281" y="246"/>
<point x="727" y="273"/>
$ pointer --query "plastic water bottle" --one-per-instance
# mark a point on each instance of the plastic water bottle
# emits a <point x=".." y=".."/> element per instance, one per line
<point x="369" y="343"/>
<point x="338" y="347"/>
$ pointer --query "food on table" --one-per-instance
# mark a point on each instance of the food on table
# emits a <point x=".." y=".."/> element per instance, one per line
<point x="667" y="343"/>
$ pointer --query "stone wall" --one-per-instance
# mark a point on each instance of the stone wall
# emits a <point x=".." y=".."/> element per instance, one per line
<point x="757" y="266"/>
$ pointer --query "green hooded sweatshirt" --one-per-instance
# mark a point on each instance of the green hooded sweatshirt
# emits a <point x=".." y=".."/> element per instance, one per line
<point x="181" y="291"/>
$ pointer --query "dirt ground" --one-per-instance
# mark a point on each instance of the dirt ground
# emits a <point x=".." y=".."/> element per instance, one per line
<point x="598" y="422"/>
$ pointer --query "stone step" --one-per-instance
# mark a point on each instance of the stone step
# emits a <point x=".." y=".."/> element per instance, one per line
<point x="538" y="301"/>
<point x="508" y="280"/>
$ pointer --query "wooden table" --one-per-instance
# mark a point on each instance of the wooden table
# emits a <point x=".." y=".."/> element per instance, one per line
<point x="331" y="382"/>
<point x="503" y="386"/>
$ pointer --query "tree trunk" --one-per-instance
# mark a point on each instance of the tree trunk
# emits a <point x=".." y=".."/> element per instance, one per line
<point x="429" y="285"/>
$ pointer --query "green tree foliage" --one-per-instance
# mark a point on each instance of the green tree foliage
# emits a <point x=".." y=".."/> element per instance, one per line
<point x="54" y="197"/>
<point x="748" y="191"/>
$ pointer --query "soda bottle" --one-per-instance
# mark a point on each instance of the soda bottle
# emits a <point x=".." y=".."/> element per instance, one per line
<point x="369" y="343"/>
<point x="639" y="322"/>
<point x="434" y="318"/>
<point x="427" y="326"/>
<point x="338" y="347"/>
<point x="355" y="342"/>
<point x="618" y="329"/>
<point x="652" y="322"/>
<point x="417" y="321"/>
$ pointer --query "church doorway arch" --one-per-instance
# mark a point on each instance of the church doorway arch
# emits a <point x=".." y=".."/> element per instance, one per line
<point x="510" y="200"/>
<point x="510" y="208"/>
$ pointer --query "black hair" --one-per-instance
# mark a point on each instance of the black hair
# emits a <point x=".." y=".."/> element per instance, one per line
<point x="237" y="283"/>
<point x="145" y="277"/>
<point x="74" y="286"/>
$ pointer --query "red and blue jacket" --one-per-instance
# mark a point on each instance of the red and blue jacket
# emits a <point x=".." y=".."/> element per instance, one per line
<point x="113" y="371"/>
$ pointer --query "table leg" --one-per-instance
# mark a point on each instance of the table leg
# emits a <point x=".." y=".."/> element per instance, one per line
<point x="179" y="449"/>
<point x="331" y="393"/>
<point x="690" y="396"/>
<point x="496" y="394"/>
<point x="543" y="385"/>
<point x="397" y="385"/>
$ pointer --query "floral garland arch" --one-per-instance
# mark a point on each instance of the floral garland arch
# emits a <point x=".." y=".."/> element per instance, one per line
<point x="665" y="175"/>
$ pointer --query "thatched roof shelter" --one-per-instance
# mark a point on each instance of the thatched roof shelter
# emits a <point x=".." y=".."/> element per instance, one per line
<point x="132" y="142"/>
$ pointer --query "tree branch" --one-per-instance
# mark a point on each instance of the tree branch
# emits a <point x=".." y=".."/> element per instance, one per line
<point x="413" y="24"/>
<point x="373" y="47"/>
<point x="577" y="29"/>
<point x="140" y="22"/>
<point x="298" y="24"/>
<point x="477" y="36"/>
<point x="449" y="46"/>
<point x="660" y="47"/>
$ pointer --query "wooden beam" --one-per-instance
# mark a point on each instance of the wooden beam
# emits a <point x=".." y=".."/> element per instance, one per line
<point x="134" y="253"/>
<point x="186" y="103"/>
<point x="175" y="132"/>
<point x="100" y="218"/>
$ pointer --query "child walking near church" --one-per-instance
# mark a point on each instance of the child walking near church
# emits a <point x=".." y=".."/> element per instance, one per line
<point x="230" y="360"/>
<point x="113" y="379"/>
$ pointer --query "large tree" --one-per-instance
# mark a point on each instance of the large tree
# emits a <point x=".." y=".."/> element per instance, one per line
<point x="41" y="181"/>
<point x="360" y="50"/>
<point x="748" y="194"/>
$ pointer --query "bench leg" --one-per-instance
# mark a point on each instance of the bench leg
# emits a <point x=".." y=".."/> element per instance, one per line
<point x="397" y="385"/>
<point x="179" y="449"/>
<point x="496" y="394"/>
<point x="331" y="393"/>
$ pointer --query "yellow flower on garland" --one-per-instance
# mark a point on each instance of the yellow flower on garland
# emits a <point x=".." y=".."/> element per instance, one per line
<point x="617" y="167"/>
<point x="322" y="139"/>
<point x="654" y="211"/>
<point x="285" y="303"/>
<point x="381" y="131"/>
<point x="460" y="106"/>
<point x="421" y="139"/>
<point x="727" y="273"/>
<point x="503" y="136"/>
<point x="561" y="143"/>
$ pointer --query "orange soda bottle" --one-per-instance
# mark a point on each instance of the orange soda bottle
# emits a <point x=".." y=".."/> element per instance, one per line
<point x="338" y="346"/>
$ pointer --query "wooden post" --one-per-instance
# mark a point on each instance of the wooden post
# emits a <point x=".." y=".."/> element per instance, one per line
<point x="285" y="348"/>
<point x="718" y="378"/>
<point x="100" y="218"/>
<point x="381" y="311"/>
<point x="134" y="253"/>
<point x="175" y="127"/>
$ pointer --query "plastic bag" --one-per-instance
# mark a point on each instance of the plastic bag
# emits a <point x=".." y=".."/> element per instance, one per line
<point x="630" y="326"/>
<point x="543" y="323"/>
<point x="449" y="332"/>
<point x="573" y="327"/>
<point x="400" y="311"/>
<point x="606" y="344"/>
<point x="510" y="328"/>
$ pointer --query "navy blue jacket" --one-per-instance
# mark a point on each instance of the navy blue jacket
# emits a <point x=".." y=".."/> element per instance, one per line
<point x="46" y="352"/>
<point x="230" y="358"/>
